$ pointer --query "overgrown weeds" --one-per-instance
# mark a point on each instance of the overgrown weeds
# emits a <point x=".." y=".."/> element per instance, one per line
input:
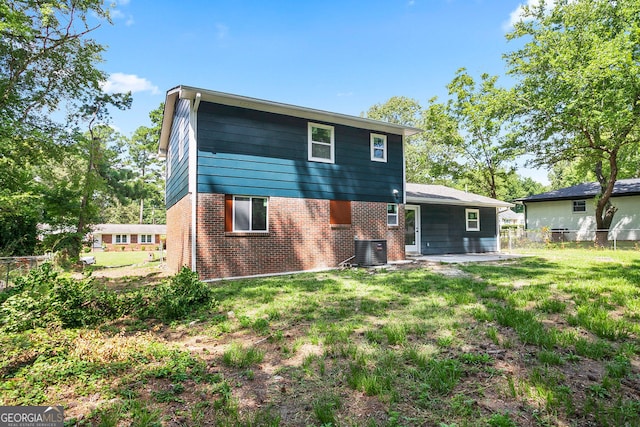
<point x="547" y="340"/>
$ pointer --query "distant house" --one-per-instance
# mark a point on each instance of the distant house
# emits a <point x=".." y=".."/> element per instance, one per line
<point x="127" y="236"/>
<point x="510" y="218"/>
<point x="441" y="220"/>
<point x="571" y="211"/>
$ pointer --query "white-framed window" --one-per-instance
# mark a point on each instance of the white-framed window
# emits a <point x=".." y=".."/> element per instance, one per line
<point x="472" y="219"/>
<point x="250" y="213"/>
<point x="121" y="239"/>
<point x="392" y="214"/>
<point x="321" y="143"/>
<point x="146" y="238"/>
<point x="378" y="147"/>
<point x="579" y="206"/>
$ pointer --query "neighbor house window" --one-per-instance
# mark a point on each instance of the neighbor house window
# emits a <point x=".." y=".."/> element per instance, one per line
<point x="392" y="215"/>
<point x="378" y="148"/>
<point x="145" y="238"/>
<point x="321" y="143"/>
<point x="250" y="213"/>
<point x="579" y="206"/>
<point x="122" y="238"/>
<point x="473" y="219"/>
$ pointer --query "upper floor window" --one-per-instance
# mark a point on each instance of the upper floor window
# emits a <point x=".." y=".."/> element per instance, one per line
<point x="579" y="206"/>
<point x="473" y="219"/>
<point x="378" y="148"/>
<point x="250" y="213"/>
<point x="321" y="143"/>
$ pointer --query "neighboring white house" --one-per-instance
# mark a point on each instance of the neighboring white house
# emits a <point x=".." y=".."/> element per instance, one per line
<point x="509" y="217"/>
<point x="571" y="211"/>
<point x="127" y="236"/>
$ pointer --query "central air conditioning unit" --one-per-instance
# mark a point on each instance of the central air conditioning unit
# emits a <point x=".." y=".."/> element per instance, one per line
<point x="370" y="252"/>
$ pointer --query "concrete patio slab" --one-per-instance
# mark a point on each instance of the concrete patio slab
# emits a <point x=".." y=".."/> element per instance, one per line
<point x="466" y="258"/>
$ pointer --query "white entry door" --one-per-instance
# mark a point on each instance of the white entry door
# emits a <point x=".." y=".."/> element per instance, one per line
<point x="412" y="229"/>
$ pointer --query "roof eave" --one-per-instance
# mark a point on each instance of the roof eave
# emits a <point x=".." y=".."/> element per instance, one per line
<point x="167" y="116"/>
<point x="292" y="110"/>
<point x="457" y="202"/>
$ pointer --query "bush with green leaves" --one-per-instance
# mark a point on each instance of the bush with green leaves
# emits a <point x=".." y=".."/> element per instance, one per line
<point x="43" y="297"/>
<point x="180" y="295"/>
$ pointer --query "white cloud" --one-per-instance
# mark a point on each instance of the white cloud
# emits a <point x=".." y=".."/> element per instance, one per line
<point x="120" y="83"/>
<point x="517" y="15"/>
<point x="411" y="2"/>
<point x="123" y="2"/>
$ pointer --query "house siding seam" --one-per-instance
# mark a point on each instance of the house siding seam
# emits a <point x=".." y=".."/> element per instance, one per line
<point x="300" y="237"/>
<point x="179" y="234"/>
<point x="178" y="182"/>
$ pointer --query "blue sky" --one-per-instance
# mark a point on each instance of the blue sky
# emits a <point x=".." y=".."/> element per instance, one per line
<point x="341" y="56"/>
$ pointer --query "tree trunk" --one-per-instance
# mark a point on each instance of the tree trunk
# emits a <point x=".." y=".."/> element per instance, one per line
<point x="140" y="219"/>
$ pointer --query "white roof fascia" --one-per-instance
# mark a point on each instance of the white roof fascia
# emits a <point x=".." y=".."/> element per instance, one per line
<point x="455" y="202"/>
<point x="187" y="92"/>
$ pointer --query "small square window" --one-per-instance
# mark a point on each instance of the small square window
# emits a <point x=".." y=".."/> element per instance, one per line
<point x="472" y="219"/>
<point x="392" y="215"/>
<point x="321" y="143"/>
<point x="122" y="238"/>
<point x="249" y="213"/>
<point x="579" y="206"/>
<point x="146" y="238"/>
<point x="378" y="148"/>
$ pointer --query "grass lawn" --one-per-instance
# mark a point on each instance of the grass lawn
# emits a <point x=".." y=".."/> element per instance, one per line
<point x="549" y="340"/>
<point x="121" y="258"/>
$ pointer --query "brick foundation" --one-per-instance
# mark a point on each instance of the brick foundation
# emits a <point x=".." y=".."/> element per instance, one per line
<point x="179" y="234"/>
<point x="300" y="237"/>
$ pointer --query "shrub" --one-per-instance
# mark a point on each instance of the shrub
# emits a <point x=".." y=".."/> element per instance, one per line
<point x="178" y="296"/>
<point x="43" y="297"/>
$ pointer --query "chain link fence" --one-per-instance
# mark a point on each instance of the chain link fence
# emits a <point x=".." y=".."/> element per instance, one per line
<point x="14" y="267"/>
<point x="519" y="238"/>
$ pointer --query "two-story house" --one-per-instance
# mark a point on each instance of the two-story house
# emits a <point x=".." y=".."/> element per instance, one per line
<point x="258" y="187"/>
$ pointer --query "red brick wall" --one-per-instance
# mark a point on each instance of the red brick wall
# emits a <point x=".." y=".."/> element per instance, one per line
<point x="300" y="237"/>
<point x="179" y="234"/>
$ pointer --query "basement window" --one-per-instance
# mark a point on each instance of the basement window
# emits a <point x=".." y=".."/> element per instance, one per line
<point x="250" y="213"/>
<point x="392" y="215"/>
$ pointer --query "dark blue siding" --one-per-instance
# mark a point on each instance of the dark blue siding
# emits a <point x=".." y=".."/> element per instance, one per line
<point x="444" y="230"/>
<point x="243" y="151"/>
<point x="177" y="184"/>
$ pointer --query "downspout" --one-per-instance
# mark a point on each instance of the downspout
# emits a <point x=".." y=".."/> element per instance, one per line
<point x="193" y="177"/>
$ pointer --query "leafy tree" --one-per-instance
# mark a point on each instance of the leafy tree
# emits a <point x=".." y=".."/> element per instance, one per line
<point x="481" y="112"/>
<point x="147" y="167"/>
<point x="578" y="88"/>
<point x="426" y="151"/>
<point x="46" y="58"/>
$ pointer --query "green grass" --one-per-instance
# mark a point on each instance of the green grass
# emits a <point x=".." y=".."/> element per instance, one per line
<point x="121" y="258"/>
<point x="552" y="338"/>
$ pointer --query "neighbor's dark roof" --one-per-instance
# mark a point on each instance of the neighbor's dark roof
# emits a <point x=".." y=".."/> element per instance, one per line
<point x="623" y="187"/>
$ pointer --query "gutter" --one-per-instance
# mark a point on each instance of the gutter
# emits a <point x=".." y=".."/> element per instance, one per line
<point x="193" y="176"/>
